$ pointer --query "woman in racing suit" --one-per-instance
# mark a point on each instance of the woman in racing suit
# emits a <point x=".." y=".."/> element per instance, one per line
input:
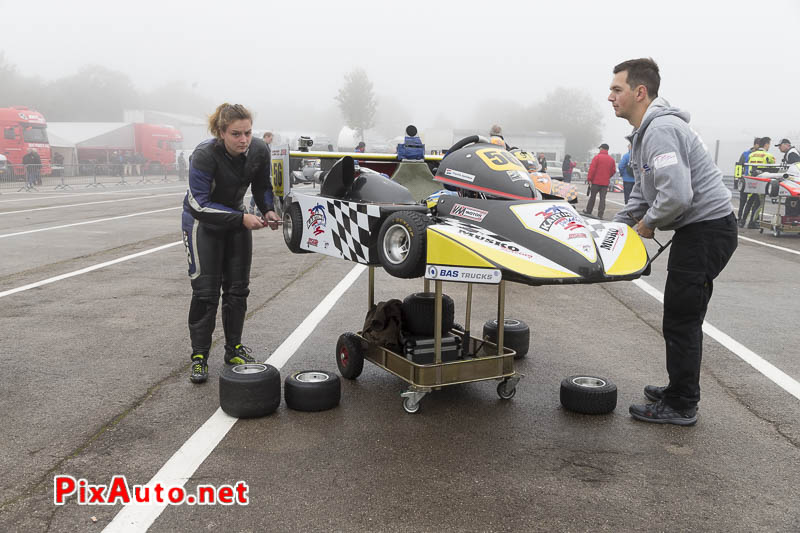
<point x="217" y="230"/>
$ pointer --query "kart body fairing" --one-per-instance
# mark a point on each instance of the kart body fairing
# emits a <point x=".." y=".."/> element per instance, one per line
<point x="533" y="242"/>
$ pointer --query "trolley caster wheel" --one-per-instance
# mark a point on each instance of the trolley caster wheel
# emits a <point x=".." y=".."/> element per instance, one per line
<point x="761" y="230"/>
<point x="410" y="406"/>
<point x="776" y="231"/>
<point x="504" y="391"/>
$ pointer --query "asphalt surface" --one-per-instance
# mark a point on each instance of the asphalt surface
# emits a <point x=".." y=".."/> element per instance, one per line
<point x="94" y="384"/>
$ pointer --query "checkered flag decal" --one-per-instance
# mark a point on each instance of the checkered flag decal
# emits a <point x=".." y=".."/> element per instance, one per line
<point x="596" y="229"/>
<point x="355" y="223"/>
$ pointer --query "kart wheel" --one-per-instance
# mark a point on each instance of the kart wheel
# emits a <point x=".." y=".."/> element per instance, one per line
<point x="402" y="244"/>
<point x="419" y="312"/>
<point x="293" y="228"/>
<point x="312" y="390"/>
<point x="588" y="395"/>
<point x="249" y="391"/>
<point x="349" y="355"/>
<point x="773" y="188"/>
<point x="516" y="335"/>
<point x="740" y="183"/>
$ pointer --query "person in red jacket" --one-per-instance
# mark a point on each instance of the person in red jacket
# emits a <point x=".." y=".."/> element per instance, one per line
<point x="600" y="171"/>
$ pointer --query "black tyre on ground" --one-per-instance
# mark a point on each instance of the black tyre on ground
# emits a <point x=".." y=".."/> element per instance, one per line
<point x="249" y="391"/>
<point x="293" y="228"/>
<point x="516" y="335"/>
<point x="312" y="390"/>
<point x="401" y="244"/>
<point x="349" y="355"/>
<point x="588" y="395"/>
<point x="419" y="312"/>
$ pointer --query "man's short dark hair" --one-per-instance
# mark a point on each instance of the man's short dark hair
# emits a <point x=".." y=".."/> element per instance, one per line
<point x="764" y="140"/>
<point x="642" y="71"/>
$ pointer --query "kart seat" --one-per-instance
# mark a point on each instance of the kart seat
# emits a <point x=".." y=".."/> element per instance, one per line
<point x="339" y="179"/>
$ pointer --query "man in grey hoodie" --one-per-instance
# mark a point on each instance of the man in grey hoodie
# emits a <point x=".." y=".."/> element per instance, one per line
<point x="677" y="187"/>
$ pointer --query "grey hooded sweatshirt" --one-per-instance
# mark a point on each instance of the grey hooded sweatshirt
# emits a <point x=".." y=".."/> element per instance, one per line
<point x="677" y="182"/>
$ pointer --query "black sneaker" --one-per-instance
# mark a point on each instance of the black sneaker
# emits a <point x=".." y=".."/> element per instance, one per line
<point x="199" y="368"/>
<point x="661" y="413"/>
<point x="654" y="393"/>
<point x="238" y="355"/>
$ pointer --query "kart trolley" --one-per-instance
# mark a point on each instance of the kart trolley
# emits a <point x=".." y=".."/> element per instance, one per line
<point x="784" y="191"/>
<point x="480" y="359"/>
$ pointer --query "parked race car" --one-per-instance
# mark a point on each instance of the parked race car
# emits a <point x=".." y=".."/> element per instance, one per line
<point x="496" y="226"/>
<point x="782" y="184"/>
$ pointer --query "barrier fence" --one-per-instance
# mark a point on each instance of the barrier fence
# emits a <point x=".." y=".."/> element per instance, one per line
<point x="30" y="177"/>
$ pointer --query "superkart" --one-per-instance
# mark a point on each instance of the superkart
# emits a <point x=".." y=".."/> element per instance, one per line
<point x="495" y="223"/>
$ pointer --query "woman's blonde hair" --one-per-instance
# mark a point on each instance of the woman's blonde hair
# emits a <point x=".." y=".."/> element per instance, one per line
<point x="224" y="115"/>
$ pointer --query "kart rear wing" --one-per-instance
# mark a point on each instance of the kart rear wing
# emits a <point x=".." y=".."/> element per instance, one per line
<point x="285" y="160"/>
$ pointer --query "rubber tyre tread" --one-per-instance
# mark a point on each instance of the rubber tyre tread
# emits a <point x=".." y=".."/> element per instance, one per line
<point x="516" y="336"/>
<point x="419" y="312"/>
<point x="316" y="396"/>
<point x="355" y="353"/>
<point x="293" y="242"/>
<point x="249" y="395"/>
<point x="588" y="400"/>
<point x="414" y="264"/>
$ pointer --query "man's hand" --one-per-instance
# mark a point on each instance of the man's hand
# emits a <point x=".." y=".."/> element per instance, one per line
<point x="252" y="222"/>
<point x="644" y="230"/>
<point x="271" y="219"/>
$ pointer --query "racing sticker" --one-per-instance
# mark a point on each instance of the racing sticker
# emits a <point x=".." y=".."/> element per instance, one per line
<point x="610" y="239"/>
<point x="517" y="175"/>
<point x="665" y="160"/>
<point x="465" y="274"/>
<point x="499" y="159"/>
<point x="558" y="221"/>
<point x="317" y="220"/>
<point x="459" y="175"/>
<point x="469" y="213"/>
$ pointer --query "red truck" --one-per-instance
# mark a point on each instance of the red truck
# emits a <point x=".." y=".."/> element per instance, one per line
<point x="155" y="143"/>
<point x="22" y="129"/>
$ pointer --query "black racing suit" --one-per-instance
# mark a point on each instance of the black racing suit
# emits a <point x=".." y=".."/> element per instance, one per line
<point x="218" y="246"/>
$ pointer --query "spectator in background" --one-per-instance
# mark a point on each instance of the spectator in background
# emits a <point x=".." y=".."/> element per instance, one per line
<point x="745" y="172"/>
<point x="33" y="164"/>
<point x="754" y="200"/>
<point x="181" y="167"/>
<point x="58" y="164"/>
<point x="566" y="168"/>
<point x="543" y="162"/>
<point x="128" y="161"/>
<point x="627" y="174"/>
<point x="139" y="161"/>
<point x="600" y="171"/>
<point x="790" y="153"/>
<point x="361" y="147"/>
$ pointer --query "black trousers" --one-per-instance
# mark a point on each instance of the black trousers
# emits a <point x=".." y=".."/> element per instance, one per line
<point x="699" y="253"/>
<point x="627" y="187"/>
<point x="218" y="259"/>
<point x="593" y="191"/>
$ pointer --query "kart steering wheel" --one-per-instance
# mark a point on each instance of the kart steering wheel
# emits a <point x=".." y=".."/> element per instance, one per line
<point x="468" y="140"/>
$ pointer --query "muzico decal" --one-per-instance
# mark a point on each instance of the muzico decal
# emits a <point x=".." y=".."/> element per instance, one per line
<point x="467" y="212"/>
<point x="459" y="175"/>
<point x="469" y="275"/>
<point x="318" y="220"/>
<point x="501" y="160"/>
<point x="560" y="222"/>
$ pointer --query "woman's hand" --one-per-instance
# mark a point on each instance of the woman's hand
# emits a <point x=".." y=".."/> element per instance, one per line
<point x="252" y="222"/>
<point x="271" y="219"/>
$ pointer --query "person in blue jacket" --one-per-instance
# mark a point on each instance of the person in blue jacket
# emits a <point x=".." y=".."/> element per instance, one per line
<point x="217" y="231"/>
<point x="627" y="174"/>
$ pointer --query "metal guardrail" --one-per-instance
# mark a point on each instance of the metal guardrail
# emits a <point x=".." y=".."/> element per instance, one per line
<point x="29" y="177"/>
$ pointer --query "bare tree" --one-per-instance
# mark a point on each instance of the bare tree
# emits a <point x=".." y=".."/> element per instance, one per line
<point x="573" y="113"/>
<point x="357" y="101"/>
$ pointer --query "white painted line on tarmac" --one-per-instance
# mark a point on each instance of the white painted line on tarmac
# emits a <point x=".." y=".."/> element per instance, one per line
<point x="2" y="236"/>
<point x="781" y="248"/>
<point x="87" y="269"/>
<point x="67" y="194"/>
<point x="183" y="464"/>
<point x="90" y="203"/>
<point x="773" y="373"/>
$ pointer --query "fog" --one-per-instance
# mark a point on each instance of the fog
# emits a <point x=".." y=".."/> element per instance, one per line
<point x="733" y="65"/>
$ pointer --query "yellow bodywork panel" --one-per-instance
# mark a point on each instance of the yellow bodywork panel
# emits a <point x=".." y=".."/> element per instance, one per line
<point x="452" y="250"/>
<point x="632" y="258"/>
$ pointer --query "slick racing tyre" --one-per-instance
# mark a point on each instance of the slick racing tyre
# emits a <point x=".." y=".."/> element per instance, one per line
<point x="588" y="395"/>
<point x="401" y="244"/>
<point x="773" y="188"/>
<point x="740" y="184"/>
<point x="293" y="228"/>
<point x="312" y="390"/>
<point x="349" y="355"/>
<point x="419" y="312"/>
<point x="249" y="391"/>
<point x="516" y="335"/>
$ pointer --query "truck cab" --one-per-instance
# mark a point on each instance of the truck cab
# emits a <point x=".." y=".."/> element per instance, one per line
<point x="22" y="129"/>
